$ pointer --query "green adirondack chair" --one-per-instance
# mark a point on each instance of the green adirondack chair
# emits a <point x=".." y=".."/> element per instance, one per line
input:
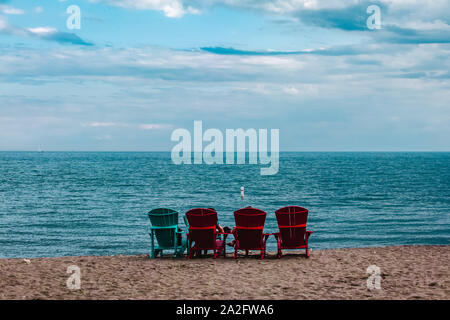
<point x="166" y="231"/>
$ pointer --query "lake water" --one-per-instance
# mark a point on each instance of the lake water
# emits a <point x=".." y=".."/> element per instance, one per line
<point x="76" y="203"/>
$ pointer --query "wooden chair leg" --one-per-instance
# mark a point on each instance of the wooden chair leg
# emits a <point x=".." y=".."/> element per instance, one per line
<point x="152" y="246"/>
<point x="189" y="255"/>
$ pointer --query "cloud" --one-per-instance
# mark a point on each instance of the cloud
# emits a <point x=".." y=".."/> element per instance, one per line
<point x="233" y="51"/>
<point x="101" y="124"/>
<point x="346" y="14"/>
<point x="382" y="88"/>
<point x="403" y="21"/>
<point x="318" y="101"/>
<point x="44" y="33"/>
<point x="111" y="65"/>
<point x="350" y="18"/>
<point x="144" y="126"/>
<point x="142" y="63"/>
<point x="65" y="38"/>
<point x="155" y="126"/>
<point x="328" y="51"/>
<point x="291" y="90"/>
<point x="52" y="34"/>
<point x="171" y="8"/>
<point x="395" y="34"/>
<point x="178" y="8"/>
<point x="10" y="10"/>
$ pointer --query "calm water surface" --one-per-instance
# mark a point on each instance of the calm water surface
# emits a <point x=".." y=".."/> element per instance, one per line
<point x="74" y="203"/>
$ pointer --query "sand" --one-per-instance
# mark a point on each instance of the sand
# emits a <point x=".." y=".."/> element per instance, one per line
<point x="407" y="272"/>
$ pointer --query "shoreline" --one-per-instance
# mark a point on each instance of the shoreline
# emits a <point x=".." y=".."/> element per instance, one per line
<point x="269" y="254"/>
<point x="406" y="272"/>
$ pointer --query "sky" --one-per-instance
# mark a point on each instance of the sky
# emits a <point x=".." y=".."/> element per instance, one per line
<point x="137" y="70"/>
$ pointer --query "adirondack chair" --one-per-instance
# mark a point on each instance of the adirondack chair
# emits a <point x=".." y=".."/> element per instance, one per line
<point x="292" y="229"/>
<point x="248" y="233"/>
<point x="166" y="231"/>
<point x="202" y="232"/>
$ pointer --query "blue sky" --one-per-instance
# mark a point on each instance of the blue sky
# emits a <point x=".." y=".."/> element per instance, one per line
<point x="137" y="70"/>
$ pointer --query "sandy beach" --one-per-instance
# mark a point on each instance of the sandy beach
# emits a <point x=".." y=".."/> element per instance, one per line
<point x="407" y="272"/>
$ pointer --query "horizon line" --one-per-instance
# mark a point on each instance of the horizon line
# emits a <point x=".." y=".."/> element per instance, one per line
<point x="169" y="151"/>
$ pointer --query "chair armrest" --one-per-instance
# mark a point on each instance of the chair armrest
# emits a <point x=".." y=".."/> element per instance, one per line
<point x="225" y="235"/>
<point x="161" y="228"/>
<point x="266" y="236"/>
<point x="308" y="233"/>
<point x="183" y="232"/>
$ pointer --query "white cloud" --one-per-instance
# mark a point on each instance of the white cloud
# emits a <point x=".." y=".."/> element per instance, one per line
<point x="154" y="126"/>
<point x="10" y="10"/>
<point x="291" y="90"/>
<point x="134" y="99"/>
<point x="101" y="124"/>
<point x="192" y="10"/>
<point x="421" y="25"/>
<point x="398" y="12"/>
<point x="42" y="30"/>
<point x="143" y="126"/>
<point x="174" y="9"/>
<point x="178" y="8"/>
<point x="271" y="61"/>
<point x="171" y="8"/>
<point x="44" y="33"/>
<point x="302" y="89"/>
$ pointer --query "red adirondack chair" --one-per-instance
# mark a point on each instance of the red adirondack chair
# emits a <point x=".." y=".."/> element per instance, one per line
<point x="248" y="232"/>
<point x="292" y="225"/>
<point x="202" y="232"/>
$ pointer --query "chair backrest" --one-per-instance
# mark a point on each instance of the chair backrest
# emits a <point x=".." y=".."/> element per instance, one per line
<point x="292" y="224"/>
<point x="202" y="227"/>
<point x="163" y="217"/>
<point x="249" y="227"/>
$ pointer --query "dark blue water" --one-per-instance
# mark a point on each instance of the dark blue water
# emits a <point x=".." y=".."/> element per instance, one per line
<point x="64" y="203"/>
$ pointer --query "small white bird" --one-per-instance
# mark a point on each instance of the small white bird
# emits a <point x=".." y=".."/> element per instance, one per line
<point x="242" y="192"/>
<point x="28" y="261"/>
